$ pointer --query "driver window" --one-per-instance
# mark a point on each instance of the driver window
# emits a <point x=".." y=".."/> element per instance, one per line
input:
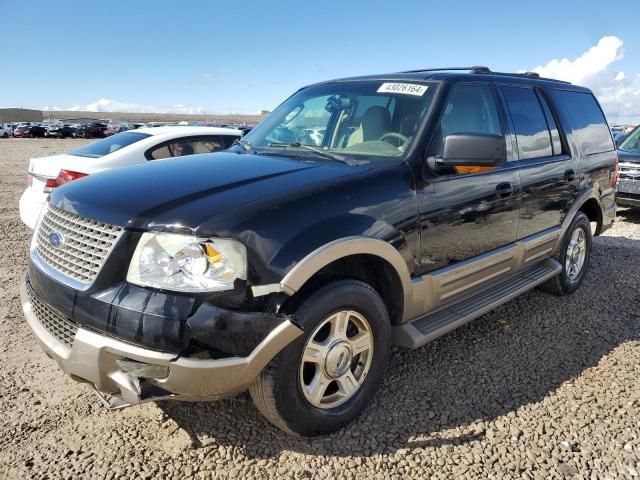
<point x="470" y="109"/>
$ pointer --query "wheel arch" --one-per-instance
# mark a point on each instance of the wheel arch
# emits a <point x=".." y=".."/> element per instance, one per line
<point x="363" y="258"/>
<point x="587" y="202"/>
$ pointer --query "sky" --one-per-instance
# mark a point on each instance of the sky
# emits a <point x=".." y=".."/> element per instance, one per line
<point x="242" y="57"/>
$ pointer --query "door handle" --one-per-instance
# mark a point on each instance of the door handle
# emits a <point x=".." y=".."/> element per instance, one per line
<point x="504" y="190"/>
<point x="570" y="175"/>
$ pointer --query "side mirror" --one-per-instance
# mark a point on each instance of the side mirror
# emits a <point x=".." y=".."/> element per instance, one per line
<point x="473" y="149"/>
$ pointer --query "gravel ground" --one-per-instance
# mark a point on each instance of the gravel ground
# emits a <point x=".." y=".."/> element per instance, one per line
<point x="543" y="387"/>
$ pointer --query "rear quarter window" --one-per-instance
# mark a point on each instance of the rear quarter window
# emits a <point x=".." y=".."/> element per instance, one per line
<point x="590" y="128"/>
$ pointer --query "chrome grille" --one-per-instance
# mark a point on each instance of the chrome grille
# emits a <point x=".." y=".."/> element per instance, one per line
<point x="56" y="324"/>
<point x="629" y="171"/>
<point x="84" y="247"/>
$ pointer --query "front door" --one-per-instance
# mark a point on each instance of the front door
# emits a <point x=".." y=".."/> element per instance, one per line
<point x="468" y="211"/>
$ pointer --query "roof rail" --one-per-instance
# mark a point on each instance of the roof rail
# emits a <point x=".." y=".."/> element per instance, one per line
<point x="534" y="75"/>
<point x="476" y="69"/>
<point x="486" y="71"/>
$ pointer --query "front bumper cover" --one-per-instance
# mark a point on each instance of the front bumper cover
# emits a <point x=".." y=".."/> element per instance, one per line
<point x="93" y="358"/>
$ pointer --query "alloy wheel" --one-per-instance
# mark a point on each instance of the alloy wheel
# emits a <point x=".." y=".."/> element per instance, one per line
<point x="576" y="253"/>
<point x="336" y="359"/>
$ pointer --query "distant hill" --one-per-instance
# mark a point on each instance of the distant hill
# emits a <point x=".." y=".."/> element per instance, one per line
<point x="148" y="117"/>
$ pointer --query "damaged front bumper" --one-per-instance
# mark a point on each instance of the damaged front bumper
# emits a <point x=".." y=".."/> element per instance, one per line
<point x="132" y="374"/>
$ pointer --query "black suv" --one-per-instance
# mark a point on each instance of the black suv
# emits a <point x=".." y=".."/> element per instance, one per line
<point x="628" y="188"/>
<point x="361" y="213"/>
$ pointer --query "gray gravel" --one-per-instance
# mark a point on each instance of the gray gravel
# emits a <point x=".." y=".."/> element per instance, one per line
<point x="544" y="387"/>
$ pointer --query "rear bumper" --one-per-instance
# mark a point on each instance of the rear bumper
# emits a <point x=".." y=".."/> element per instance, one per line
<point x="94" y="358"/>
<point x="30" y="205"/>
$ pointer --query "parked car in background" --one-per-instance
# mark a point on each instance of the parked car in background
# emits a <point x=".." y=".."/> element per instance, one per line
<point x="619" y="137"/>
<point x="126" y="148"/>
<point x="29" y="131"/>
<point x="113" y="129"/>
<point x="61" y="131"/>
<point x="628" y="188"/>
<point x="290" y="268"/>
<point x="5" y="132"/>
<point x="91" y="130"/>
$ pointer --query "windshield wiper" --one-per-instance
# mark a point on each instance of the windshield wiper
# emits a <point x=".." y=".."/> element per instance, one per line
<point x="246" y="146"/>
<point x="319" y="151"/>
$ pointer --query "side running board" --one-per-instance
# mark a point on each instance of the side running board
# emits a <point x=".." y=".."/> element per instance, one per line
<point x="428" y="327"/>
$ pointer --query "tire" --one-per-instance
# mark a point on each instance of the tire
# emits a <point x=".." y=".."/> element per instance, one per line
<point x="568" y="282"/>
<point x="281" y="392"/>
<point x="6" y="135"/>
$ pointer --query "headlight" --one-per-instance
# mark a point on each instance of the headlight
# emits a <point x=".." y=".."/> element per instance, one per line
<point x="187" y="264"/>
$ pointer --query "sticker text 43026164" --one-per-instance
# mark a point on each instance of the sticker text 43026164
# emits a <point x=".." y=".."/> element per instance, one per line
<point x="404" y="88"/>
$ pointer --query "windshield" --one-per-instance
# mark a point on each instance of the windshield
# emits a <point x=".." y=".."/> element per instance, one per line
<point x="360" y="119"/>
<point x="109" y="145"/>
<point x="632" y="143"/>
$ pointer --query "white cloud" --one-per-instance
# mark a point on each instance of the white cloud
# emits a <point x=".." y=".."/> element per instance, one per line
<point x="618" y="94"/>
<point x="590" y="63"/>
<point x="110" y="105"/>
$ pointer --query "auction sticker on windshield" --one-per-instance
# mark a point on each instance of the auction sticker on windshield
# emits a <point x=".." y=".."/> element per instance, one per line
<point x="405" y="88"/>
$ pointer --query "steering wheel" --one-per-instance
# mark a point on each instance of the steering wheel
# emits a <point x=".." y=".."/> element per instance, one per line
<point x="403" y="139"/>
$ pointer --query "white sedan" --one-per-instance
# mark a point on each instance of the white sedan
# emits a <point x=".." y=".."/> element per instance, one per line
<point x="126" y="148"/>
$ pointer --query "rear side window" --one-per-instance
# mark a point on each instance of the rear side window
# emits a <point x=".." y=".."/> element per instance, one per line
<point x="530" y="123"/>
<point x="589" y="125"/>
<point x="181" y="147"/>
<point x="109" y="145"/>
<point x="553" y="126"/>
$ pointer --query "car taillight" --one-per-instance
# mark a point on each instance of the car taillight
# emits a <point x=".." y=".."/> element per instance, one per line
<point x="65" y="176"/>
<point x="614" y="176"/>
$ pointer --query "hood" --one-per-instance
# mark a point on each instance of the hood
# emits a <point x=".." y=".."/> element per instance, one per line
<point x="51" y="166"/>
<point x="171" y="194"/>
<point x="628" y="157"/>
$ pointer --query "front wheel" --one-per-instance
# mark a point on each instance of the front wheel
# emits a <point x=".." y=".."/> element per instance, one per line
<point x="327" y="376"/>
<point x="573" y="255"/>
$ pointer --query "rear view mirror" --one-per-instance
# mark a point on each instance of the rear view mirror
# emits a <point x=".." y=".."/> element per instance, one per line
<point x="473" y="149"/>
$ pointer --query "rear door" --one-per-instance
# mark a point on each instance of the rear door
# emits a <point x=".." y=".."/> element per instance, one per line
<point x="548" y="172"/>
<point x="590" y="138"/>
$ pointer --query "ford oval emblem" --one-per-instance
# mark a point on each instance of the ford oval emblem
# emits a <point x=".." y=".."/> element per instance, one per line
<point x="55" y="239"/>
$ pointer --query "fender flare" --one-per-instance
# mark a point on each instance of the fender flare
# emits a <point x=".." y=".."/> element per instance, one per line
<point x="345" y="247"/>
<point x="582" y="198"/>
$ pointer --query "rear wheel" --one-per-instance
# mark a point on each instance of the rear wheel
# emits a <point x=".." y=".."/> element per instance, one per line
<point x="573" y="255"/>
<point x="326" y="377"/>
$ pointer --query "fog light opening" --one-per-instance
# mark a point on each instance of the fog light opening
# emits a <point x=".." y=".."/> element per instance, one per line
<point x="142" y="370"/>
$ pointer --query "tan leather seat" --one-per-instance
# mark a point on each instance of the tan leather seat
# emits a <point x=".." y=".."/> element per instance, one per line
<point x="375" y="122"/>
